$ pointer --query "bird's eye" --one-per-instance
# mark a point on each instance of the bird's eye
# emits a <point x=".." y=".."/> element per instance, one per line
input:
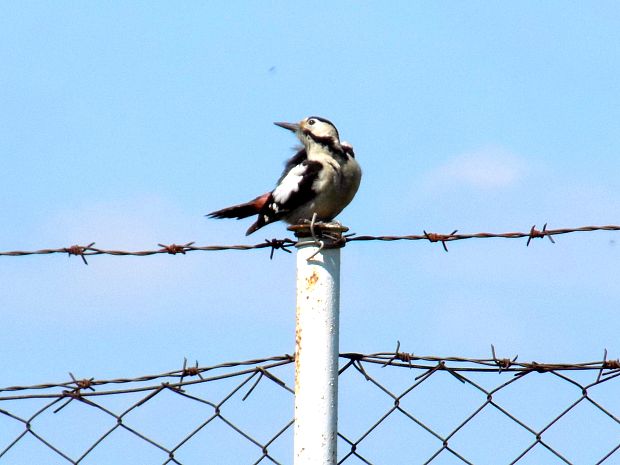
<point x="311" y="122"/>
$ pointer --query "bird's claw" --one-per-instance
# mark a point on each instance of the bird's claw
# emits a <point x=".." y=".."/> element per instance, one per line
<point x="317" y="241"/>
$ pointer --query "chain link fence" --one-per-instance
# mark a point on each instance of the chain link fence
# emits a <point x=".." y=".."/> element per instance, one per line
<point x="394" y="408"/>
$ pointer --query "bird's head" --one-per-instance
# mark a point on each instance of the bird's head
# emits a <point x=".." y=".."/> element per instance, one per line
<point x="314" y="129"/>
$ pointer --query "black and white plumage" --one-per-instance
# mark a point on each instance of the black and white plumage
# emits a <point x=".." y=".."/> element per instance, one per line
<point x="321" y="178"/>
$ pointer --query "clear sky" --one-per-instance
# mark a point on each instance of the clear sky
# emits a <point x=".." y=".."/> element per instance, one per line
<point x="124" y="123"/>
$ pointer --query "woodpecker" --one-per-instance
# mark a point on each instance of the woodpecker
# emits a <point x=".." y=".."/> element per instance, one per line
<point x="318" y="182"/>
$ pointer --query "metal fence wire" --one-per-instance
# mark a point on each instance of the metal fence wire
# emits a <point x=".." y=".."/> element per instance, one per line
<point x="394" y="408"/>
<point x="84" y="251"/>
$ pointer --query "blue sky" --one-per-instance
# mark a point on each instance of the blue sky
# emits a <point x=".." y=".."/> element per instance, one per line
<point x="124" y="123"/>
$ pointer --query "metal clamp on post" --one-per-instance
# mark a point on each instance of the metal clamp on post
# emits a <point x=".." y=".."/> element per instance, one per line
<point x="324" y="235"/>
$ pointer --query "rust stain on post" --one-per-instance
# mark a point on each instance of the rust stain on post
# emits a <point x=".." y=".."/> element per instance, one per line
<point x="312" y="280"/>
<point x="297" y="349"/>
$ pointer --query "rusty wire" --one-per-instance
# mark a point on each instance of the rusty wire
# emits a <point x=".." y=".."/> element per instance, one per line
<point x="171" y="249"/>
<point x="533" y="233"/>
<point x="84" y="251"/>
<point x="247" y="376"/>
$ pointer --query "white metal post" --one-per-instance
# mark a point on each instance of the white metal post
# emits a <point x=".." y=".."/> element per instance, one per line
<point x="316" y="351"/>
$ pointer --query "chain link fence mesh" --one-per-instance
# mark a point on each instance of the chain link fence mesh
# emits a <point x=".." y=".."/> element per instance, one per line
<point x="393" y="407"/>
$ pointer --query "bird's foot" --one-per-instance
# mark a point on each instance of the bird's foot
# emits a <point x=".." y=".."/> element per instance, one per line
<point x="318" y="241"/>
<point x="324" y="234"/>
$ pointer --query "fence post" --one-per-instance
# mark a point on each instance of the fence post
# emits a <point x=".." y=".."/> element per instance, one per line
<point x="316" y="345"/>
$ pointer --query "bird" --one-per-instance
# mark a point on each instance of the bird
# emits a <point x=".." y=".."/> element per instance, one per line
<point x="317" y="183"/>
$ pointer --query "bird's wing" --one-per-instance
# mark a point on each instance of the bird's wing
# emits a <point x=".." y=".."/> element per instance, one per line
<point x="292" y="162"/>
<point x="295" y="188"/>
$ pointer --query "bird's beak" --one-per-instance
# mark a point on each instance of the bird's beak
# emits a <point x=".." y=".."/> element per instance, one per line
<point x="290" y="126"/>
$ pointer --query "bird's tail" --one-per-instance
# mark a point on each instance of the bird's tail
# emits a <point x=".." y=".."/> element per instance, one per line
<point x="243" y="210"/>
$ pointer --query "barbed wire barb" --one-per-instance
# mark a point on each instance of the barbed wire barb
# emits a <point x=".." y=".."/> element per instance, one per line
<point x="79" y="250"/>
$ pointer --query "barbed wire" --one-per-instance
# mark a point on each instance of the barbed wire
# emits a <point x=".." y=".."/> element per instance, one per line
<point x="533" y="233"/>
<point x="180" y="374"/>
<point x="269" y="444"/>
<point x="605" y="367"/>
<point x="285" y="244"/>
